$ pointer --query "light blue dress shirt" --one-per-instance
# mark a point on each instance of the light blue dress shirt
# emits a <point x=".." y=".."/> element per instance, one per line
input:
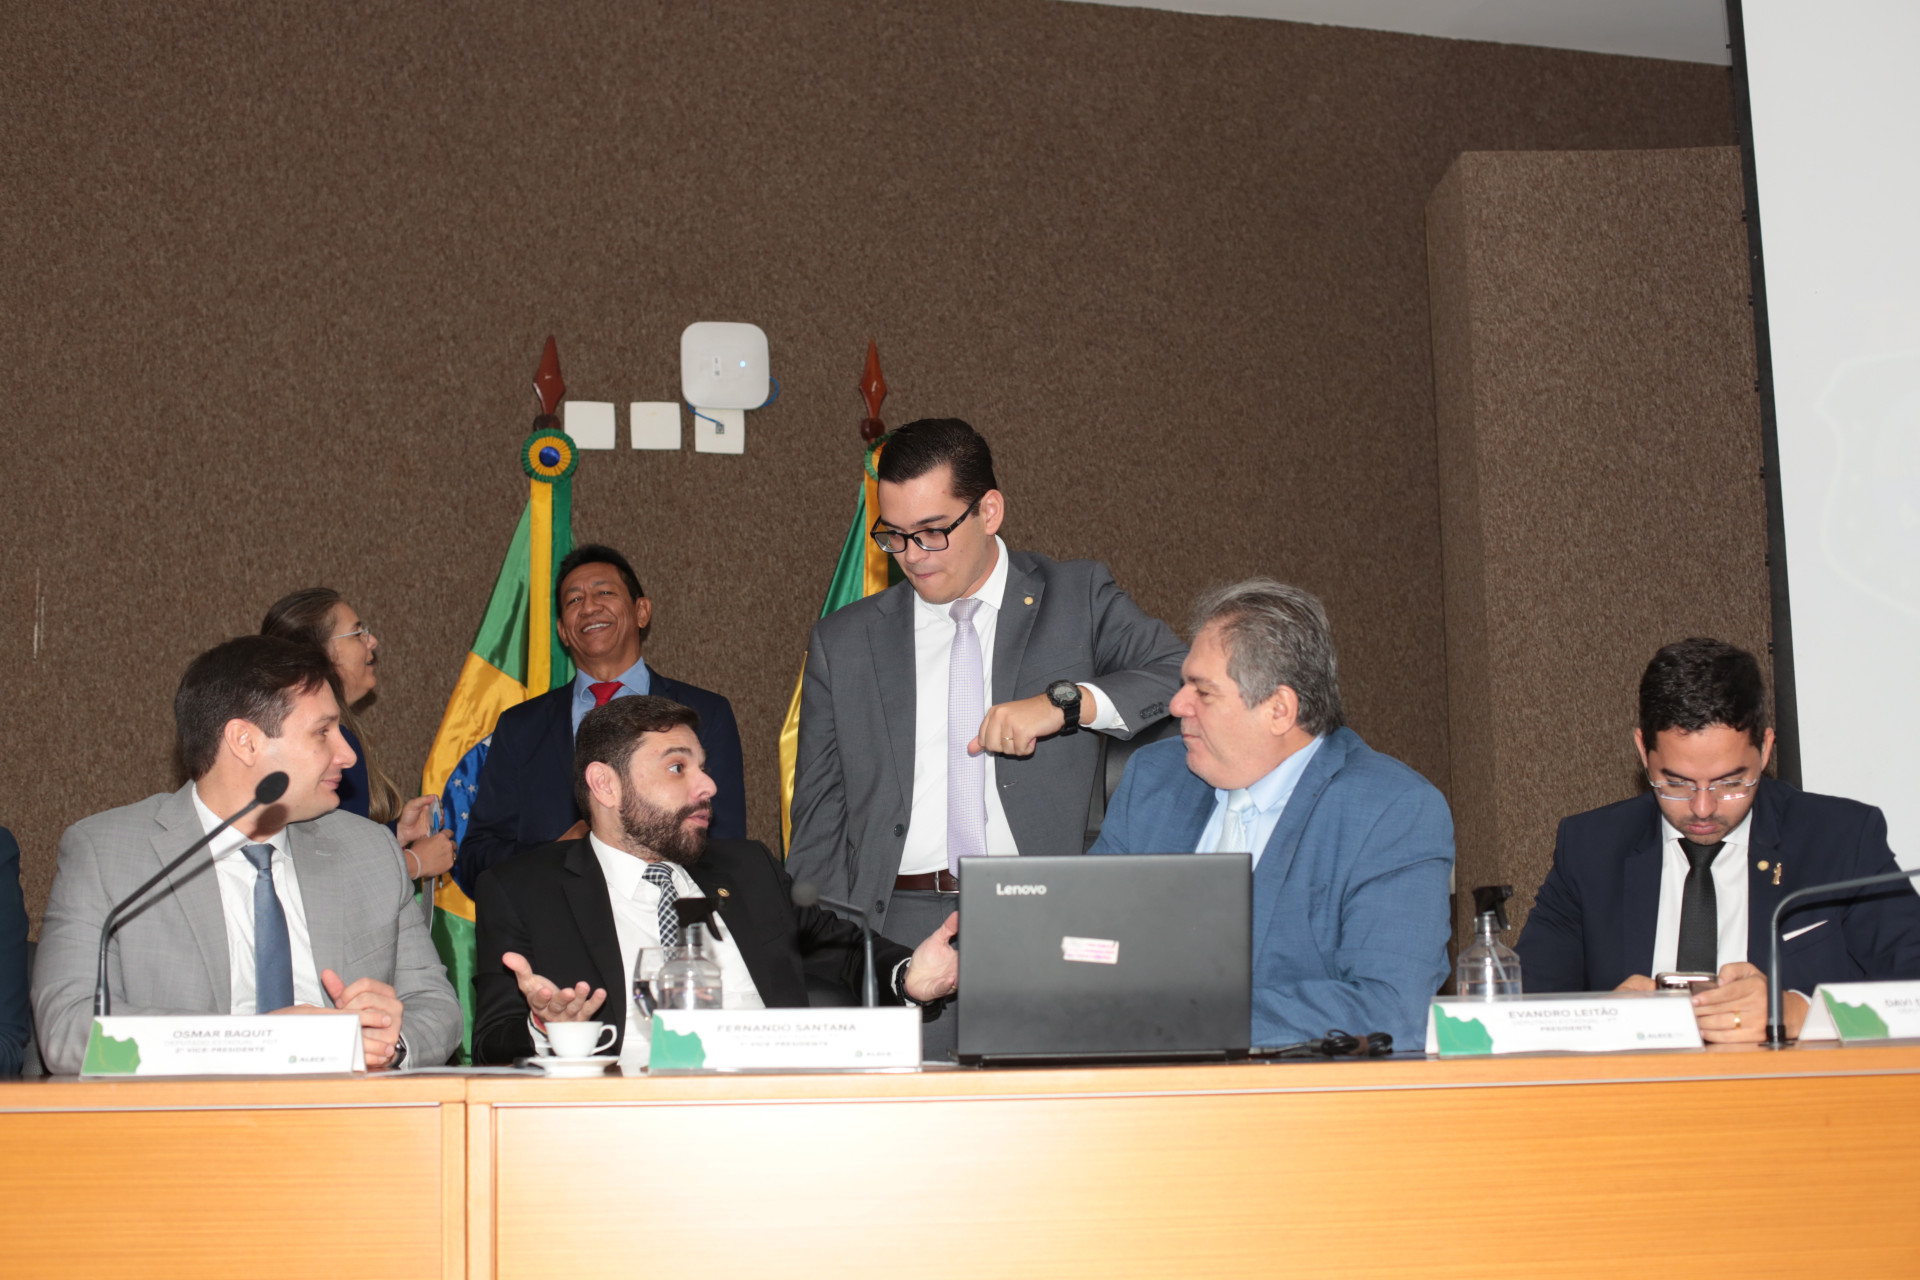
<point x="1269" y="797"/>
<point x="635" y="681"/>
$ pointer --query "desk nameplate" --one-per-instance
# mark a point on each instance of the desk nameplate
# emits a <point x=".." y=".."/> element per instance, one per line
<point x="785" y="1040"/>
<point x="1852" y="1012"/>
<point x="1602" y="1022"/>
<point x="223" y="1046"/>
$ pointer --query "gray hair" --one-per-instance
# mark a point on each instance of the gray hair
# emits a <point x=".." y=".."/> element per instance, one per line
<point x="1276" y="635"/>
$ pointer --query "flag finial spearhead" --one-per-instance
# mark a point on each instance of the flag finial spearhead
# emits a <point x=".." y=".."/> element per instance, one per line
<point x="546" y="380"/>
<point x="873" y="386"/>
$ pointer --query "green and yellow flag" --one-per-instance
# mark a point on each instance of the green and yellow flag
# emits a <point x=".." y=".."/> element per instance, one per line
<point x="863" y="570"/>
<point x="516" y="655"/>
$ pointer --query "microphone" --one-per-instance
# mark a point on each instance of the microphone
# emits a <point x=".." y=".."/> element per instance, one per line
<point x="271" y="788"/>
<point x="807" y="895"/>
<point x="1776" y="1025"/>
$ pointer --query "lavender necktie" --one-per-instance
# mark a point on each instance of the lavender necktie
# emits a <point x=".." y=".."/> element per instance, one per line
<point x="966" y="774"/>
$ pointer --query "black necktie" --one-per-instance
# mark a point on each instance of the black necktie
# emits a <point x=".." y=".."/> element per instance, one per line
<point x="1699" y="912"/>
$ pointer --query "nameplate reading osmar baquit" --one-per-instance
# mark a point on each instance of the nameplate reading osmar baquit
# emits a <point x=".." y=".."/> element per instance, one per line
<point x="1605" y="1022"/>
<point x="318" y="1044"/>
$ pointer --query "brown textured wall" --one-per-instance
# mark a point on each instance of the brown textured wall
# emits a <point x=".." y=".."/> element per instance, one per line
<point x="1600" y="489"/>
<point x="277" y="275"/>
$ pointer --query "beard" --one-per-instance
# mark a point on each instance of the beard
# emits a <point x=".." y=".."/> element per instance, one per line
<point x="663" y="831"/>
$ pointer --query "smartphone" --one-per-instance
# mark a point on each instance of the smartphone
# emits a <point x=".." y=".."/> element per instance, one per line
<point x="1685" y="981"/>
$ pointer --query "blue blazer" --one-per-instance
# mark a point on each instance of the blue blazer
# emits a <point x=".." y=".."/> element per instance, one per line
<point x="1593" y="921"/>
<point x="16" y="1016"/>
<point x="1350" y="909"/>
<point x="525" y="797"/>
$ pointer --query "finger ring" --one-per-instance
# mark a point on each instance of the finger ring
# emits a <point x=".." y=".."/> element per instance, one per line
<point x="1736" y="1019"/>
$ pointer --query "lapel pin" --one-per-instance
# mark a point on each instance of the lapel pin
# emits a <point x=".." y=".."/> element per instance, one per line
<point x="1762" y="864"/>
<point x="723" y="893"/>
<point x="1029" y="599"/>
<point x="1777" y="868"/>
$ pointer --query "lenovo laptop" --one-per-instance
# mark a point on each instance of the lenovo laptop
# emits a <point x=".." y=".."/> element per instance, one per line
<point x="1139" y="957"/>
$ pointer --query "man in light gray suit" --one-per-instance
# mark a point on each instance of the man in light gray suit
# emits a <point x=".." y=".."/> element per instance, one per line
<point x="939" y="718"/>
<point x="299" y="908"/>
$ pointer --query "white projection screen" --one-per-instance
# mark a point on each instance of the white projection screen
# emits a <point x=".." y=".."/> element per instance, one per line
<point x="1835" y="96"/>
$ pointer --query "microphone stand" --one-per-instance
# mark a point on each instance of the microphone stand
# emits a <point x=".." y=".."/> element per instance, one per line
<point x="271" y="788"/>
<point x="806" y="895"/>
<point x="1776" y="1025"/>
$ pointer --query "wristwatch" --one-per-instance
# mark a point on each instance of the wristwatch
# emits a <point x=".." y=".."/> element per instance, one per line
<point x="1065" y="694"/>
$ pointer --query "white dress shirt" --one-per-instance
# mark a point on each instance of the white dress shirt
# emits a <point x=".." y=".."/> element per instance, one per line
<point x="236" y="877"/>
<point x="933" y="629"/>
<point x="636" y="922"/>
<point x="1729" y="895"/>
<point x="1269" y="797"/>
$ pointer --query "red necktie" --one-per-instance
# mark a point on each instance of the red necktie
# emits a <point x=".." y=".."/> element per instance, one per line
<point x="604" y="691"/>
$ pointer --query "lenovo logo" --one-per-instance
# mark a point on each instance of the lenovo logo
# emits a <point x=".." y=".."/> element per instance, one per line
<point x="1004" y="890"/>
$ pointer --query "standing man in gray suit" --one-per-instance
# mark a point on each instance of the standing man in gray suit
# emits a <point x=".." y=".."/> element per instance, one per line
<point x="299" y="908"/>
<point x="940" y="718"/>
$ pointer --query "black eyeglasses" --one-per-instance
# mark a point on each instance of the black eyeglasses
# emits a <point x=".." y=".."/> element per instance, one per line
<point x="893" y="542"/>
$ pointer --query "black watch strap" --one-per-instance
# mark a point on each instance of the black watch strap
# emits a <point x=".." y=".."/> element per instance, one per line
<point x="1065" y="694"/>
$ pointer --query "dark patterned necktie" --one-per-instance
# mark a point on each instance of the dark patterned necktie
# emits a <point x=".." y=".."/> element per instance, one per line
<point x="661" y="878"/>
<point x="1699" y="911"/>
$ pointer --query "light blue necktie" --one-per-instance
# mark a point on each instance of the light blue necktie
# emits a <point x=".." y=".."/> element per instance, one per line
<point x="1234" y="834"/>
<point x="966" y="707"/>
<point x="272" y="953"/>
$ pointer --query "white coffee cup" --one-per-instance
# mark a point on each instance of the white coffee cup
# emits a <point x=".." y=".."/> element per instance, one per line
<point x="580" y="1039"/>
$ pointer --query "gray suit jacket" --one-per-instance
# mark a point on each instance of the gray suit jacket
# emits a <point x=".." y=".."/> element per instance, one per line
<point x="853" y="781"/>
<point x="169" y="955"/>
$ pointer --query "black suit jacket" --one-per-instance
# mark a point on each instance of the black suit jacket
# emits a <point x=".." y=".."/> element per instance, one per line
<point x="16" y="1021"/>
<point x="1592" y="924"/>
<point x="525" y="797"/>
<point x="551" y="905"/>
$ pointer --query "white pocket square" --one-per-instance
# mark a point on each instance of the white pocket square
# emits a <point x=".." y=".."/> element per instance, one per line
<point x="1805" y="928"/>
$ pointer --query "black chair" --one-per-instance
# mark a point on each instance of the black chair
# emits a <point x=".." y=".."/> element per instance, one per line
<point x="1114" y="754"/>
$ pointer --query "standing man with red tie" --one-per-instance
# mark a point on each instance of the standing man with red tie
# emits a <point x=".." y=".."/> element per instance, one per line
<point x="526" y="794"/>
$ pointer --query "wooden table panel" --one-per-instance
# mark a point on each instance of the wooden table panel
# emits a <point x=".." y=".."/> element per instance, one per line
<point x="318" y="1177"/>
<point x="1797" y="1163"/>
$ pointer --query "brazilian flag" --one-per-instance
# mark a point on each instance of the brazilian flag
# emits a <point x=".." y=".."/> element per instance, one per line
<point x="516" y="655"/>
<point x="863" y="570"/>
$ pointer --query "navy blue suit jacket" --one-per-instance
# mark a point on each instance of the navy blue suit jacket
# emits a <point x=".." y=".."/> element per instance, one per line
<point x="525" y="798"/>
<point x="1350" y="915"/>
<point x="1593" y="922"/>
<point x="16" y="1018"/>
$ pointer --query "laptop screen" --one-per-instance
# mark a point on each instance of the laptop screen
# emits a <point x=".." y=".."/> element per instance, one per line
<point x="1142" y="956"/>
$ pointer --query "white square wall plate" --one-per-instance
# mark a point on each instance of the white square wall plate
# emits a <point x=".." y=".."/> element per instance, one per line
<point x="720" y="431"/>
<point x="655" y="424"/>
<point x="724" y="365"/>
<point x="590" y="423"/>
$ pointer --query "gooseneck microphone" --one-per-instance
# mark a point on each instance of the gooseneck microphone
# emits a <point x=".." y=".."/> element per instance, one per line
<point x="1776" y="1025"/>
<point x="271" y="788"/>
<point x="806" y="895"/>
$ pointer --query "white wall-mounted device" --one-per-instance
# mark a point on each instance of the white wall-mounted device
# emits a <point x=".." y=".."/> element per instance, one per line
<point x="724" y="365"/>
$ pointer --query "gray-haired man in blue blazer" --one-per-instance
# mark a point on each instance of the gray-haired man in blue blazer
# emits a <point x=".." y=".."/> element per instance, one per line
<point x="1353" y="851"/>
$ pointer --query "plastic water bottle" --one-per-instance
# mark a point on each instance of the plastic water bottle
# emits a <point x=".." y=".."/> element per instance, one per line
<point x="690" y="978"/>
<point x="1488" y="970"/>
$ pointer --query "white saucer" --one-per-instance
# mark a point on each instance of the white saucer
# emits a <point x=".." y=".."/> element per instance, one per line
<point x="572" y="1068"/>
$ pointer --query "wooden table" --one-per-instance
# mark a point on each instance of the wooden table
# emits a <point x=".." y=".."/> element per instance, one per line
<point x="1728" y="1162"/>
<point x="1738" y="1162"/>
<point x="335" y="1177"/>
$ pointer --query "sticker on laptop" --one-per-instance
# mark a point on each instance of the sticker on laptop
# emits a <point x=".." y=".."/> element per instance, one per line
<point x="1091" y="950"/>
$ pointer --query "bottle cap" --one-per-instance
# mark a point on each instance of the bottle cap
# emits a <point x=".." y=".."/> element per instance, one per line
<point x="1488" y="900"/>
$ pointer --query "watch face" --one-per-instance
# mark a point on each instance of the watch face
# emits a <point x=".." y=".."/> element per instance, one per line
<point x="1063" y="693"/>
